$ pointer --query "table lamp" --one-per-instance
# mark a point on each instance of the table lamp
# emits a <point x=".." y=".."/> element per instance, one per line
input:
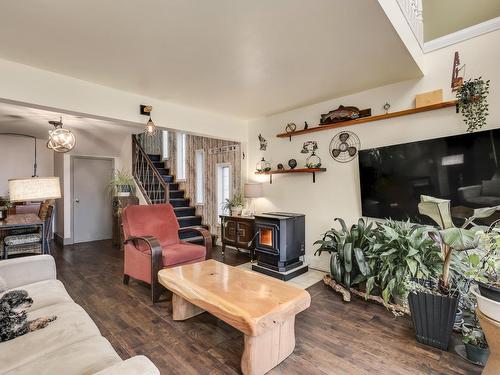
<point x="34" y="189"/>
<point x="251" y="191"/>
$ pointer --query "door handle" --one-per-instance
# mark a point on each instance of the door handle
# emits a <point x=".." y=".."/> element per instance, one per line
<point x="77" y="200"/>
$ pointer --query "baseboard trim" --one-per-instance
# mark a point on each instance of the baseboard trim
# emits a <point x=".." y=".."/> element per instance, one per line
<point x="58" y="239"/>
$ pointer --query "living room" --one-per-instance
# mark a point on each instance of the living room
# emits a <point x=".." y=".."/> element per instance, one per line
<point x="294" y="191"/>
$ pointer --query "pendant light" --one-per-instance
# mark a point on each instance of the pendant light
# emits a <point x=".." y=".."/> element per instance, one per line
<point x="60" y="140"/>
<point x="150" y="129"/>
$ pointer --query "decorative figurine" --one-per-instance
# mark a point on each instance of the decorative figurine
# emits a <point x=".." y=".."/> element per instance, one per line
<point x="292" y="163"/>
<point x="280" y="166"/>
<point x="309" y="146"/>
<point x="344" y="114"/>
<point x="263" y="143"/>
<point x="290" y="127"/>
<point x="313" y="161"/>
<point x="306" y="125"/>
<point x="386" y="107"/>
<point x="263" y="166"/>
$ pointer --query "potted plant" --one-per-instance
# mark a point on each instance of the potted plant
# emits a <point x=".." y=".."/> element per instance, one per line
<point x="122" y="184"/>
<point x="472" y="102"/>
<point x="401" y="250"/>
<point x="5" y="206"/>
<point x="485" y="270"/>
<point x="234" y="205"/>
<point x="348" y="265"/>
<point x="434" y="309"/>
<point x="476" y="346"/>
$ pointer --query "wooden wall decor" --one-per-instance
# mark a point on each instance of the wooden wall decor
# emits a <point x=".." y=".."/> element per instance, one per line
<point x="457" y="78"/>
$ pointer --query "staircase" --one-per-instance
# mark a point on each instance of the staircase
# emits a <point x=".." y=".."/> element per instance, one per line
<point x="159" y="186"/>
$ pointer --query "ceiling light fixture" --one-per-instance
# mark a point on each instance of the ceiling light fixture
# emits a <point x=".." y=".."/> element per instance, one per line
<point x="150" y="128"/>
<point x="60" y="140"/>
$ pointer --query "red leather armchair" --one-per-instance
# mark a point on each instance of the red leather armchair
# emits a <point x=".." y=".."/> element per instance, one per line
<point x="152" y="242"/>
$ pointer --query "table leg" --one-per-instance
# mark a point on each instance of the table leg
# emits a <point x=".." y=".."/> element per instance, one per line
<point x="182" y="309"/>
<point x="264" y="352"/>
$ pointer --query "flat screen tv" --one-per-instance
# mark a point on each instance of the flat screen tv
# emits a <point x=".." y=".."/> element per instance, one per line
<point x="462" y="168"/>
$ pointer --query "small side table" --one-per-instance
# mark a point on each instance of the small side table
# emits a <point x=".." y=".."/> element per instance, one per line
<point x="238" y="231"/>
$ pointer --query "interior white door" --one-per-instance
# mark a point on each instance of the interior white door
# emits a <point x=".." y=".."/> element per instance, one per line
<point x="92" y="207"/>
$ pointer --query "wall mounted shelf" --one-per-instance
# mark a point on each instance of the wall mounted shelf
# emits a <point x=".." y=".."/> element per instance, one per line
<point x="362" y="120"/>
<point x="299" y="170"/>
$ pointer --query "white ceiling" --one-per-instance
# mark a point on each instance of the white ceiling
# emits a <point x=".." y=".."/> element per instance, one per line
<point x="93" y="136"/>
<point x="245" y="58"/>
<point x="34" y="121"/>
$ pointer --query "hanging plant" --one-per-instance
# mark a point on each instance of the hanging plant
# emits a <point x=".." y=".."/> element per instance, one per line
<point x="472" y="102"/>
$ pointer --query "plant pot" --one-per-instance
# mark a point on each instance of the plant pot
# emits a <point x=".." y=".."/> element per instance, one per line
<point x="123" y="191"/>
<point x="487" y="306"/>
<point x="433" y="318"/>
<point x="476" y="354"/>
<point x="489" y="291"/>
<point x="236" y="211"/>
<point x="459" y="320"/>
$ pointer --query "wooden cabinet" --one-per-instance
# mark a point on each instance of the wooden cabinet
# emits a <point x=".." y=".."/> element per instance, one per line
<point x="237" y="231"/>
<point x="119" y="203"/>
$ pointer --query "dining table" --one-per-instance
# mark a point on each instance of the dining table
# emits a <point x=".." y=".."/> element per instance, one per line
<point x="23" y="221"/>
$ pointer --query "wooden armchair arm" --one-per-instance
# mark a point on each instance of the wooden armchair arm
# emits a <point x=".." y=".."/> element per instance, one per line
<point x="156" y="261"/>
<point x="207" y="238"/>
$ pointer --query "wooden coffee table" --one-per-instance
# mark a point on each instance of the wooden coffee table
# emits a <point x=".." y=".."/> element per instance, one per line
<point x="261" y="307"/>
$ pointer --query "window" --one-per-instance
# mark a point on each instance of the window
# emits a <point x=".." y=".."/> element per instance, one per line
<point x="223" y="185"/>
<point x="200" y="171"/>
<point x="164" y="149"/>
<point x="181" y="156"/>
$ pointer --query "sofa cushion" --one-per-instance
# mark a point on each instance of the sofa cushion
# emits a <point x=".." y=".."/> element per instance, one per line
<point x="491" y="188"/>
<point x="45" y="293"/>
<point x="83" y="357"/>
<point x="183" y="253"/>
<point x="72" y="325"/>
<point x="485" y="201"/>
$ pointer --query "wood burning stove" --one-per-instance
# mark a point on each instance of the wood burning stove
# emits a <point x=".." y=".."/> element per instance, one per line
<point x="280" y="244"/>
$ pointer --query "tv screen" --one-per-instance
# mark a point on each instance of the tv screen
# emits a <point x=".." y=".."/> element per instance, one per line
<point x="462" y="168"/>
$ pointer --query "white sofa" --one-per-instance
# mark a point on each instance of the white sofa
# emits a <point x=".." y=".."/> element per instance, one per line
<point x="72" y="344"/>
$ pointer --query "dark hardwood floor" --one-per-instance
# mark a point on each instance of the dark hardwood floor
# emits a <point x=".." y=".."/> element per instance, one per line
<point x="332" y="337"/>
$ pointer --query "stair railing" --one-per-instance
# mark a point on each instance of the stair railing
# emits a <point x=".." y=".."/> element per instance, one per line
<point x="152" y="185"/>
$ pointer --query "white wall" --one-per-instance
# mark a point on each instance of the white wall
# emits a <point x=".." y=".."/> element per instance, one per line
<point x="17" y="158"/>
<point x="109" y="143"/>
<point x="336" y="192"/>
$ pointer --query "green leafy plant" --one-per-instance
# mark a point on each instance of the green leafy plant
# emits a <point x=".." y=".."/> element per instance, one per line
<point x="474" y="336"/>
<point x="485" y="260"/>
<point x="347" y="246"/>
<point x="401" y="250"/>
<point x="472" y="102"/>
<point x="236" y="201"/>
<point x="449" y="237"/>
<point x="122" y="181"/>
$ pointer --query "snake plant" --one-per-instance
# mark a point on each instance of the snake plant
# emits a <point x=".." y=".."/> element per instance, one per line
<point x="347" y="246"/>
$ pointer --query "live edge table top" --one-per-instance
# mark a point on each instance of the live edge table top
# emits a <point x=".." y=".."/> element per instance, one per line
<point x="249" y="302"/>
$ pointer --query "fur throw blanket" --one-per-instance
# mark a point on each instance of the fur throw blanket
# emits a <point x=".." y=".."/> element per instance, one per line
<point x="13" y="317"/>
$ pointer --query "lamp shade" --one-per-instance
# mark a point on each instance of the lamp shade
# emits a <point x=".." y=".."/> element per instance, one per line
<point x="253" y="190"/>
<point x="36" y="188"/>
